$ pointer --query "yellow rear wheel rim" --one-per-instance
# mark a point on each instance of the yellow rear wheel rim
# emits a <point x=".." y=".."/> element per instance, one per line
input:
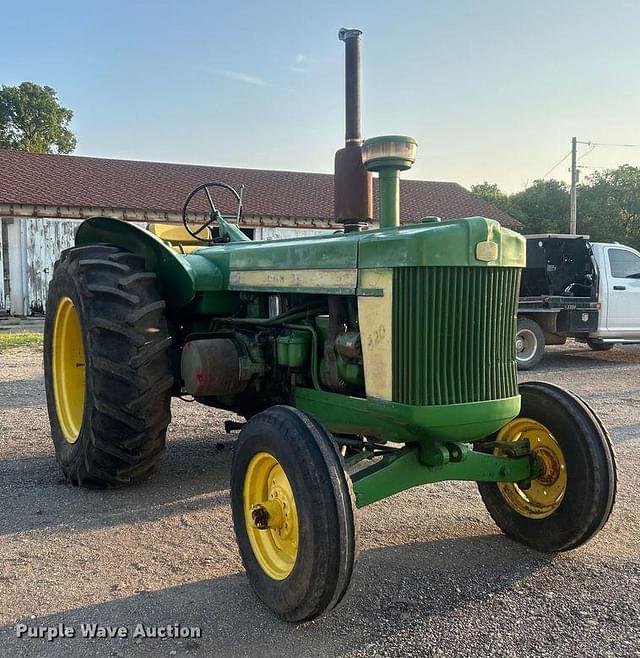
<point x="68" y="369"/>
<point x="270" y="514"/>
<point x="547" y="490"/>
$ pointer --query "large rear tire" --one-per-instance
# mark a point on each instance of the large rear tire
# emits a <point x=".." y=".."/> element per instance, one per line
<point x="107" y="371"/>
<point x="571" y="498"/>
<point x="294" y="513"/>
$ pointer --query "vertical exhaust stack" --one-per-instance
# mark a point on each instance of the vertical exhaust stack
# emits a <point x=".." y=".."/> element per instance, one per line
<point x="353" y="199"/>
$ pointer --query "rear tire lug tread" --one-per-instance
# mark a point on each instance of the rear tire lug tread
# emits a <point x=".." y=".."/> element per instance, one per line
<point x="150" y="460"/>
<point x="137" y="440"/>
<point x="138" y="314"/>
<point x="113" y="369"/>
<point x="123" y="442"/>
<point x="134" y="260"/>
<point x="76" y="253"/>
<point x="95" y="288"/>
<point x="149" y="352"/>
<point x="137" y="278"/>
<point x="106" y="408"/>
<point x="165" y="384"/>
<point x="102" y="324"/>
<point x="102" y="262"/>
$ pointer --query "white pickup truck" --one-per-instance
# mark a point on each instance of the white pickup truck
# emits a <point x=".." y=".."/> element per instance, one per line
<point x="574" y="288"/>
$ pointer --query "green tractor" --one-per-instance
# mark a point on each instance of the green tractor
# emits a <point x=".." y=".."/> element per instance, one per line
<point x="365" y="362"/>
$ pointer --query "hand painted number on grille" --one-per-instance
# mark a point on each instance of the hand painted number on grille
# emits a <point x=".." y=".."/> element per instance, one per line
<point x="376" y="337"/>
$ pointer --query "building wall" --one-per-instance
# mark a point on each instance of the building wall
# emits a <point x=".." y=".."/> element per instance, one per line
<point x="2" y="268"/>
<point x="34" y="245"/>
<point x="45" y="239"/>
<point x="15" y="296"/>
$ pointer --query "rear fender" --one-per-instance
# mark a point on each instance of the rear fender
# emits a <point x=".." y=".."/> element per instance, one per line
<point x="176" y="276"/>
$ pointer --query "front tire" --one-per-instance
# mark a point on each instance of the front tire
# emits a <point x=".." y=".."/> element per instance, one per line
<point x="599" y="346"/>
<point x="107" y="372"/>
<point x="571" y="498"/>
<point x="293" y="513"/>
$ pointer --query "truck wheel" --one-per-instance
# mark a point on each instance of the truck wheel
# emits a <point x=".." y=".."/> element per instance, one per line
<point x="571" y="498"/>
<point x="106" y="364"/>
<point x="529" y="344"/>
<point x="598" y="345"/>
<point x="293" y="513"/>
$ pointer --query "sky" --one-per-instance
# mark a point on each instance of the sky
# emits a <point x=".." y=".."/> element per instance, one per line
<point x="491" y="90"/>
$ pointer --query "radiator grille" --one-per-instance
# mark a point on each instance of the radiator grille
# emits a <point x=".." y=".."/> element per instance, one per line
<point x="454" y="334"/>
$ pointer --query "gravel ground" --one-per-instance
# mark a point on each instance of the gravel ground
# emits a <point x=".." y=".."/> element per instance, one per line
<point x="435" y="576"/>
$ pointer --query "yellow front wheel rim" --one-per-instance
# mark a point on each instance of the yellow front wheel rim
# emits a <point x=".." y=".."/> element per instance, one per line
<point x="547" y="490"/>
<point x="270" y="514"/>
<point x="68" y="361"/>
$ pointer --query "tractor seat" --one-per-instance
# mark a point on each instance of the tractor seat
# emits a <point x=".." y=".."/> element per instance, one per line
<point x="176" y="236"/>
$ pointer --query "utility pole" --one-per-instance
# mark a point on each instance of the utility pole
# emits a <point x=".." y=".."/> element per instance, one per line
<point x="574" y="183"/>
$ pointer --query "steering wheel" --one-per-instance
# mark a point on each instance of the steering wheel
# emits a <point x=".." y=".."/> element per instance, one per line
<point x="214" y="215"/>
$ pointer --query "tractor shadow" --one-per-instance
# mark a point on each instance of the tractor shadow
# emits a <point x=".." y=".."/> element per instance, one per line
<point x="193" y="475"/>
<point x="22" y="393"/>
<point x="392" y="589"/>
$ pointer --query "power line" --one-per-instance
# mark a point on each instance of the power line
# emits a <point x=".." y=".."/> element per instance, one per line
<point x="586" y="153"/>
<point x="594" y="167"/>
<point x="575" y="169"/>
<point x="557" y="164"/>
<point x="594" y="144"/>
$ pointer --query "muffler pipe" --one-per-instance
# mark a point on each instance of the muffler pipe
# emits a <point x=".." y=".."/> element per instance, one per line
<point x="352" y="72"/>
<point x="353" y="200"/>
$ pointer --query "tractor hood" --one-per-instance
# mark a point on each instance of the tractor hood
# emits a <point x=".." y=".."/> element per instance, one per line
<point x="319" y="264"/>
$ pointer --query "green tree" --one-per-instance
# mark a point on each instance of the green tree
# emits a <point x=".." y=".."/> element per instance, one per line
<point x="546" y="206"/>
<point x="32" y="119"/>
<point x="494" y="195"/>
<point x="609" y="205"/>
<point x="491" y="192"/>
